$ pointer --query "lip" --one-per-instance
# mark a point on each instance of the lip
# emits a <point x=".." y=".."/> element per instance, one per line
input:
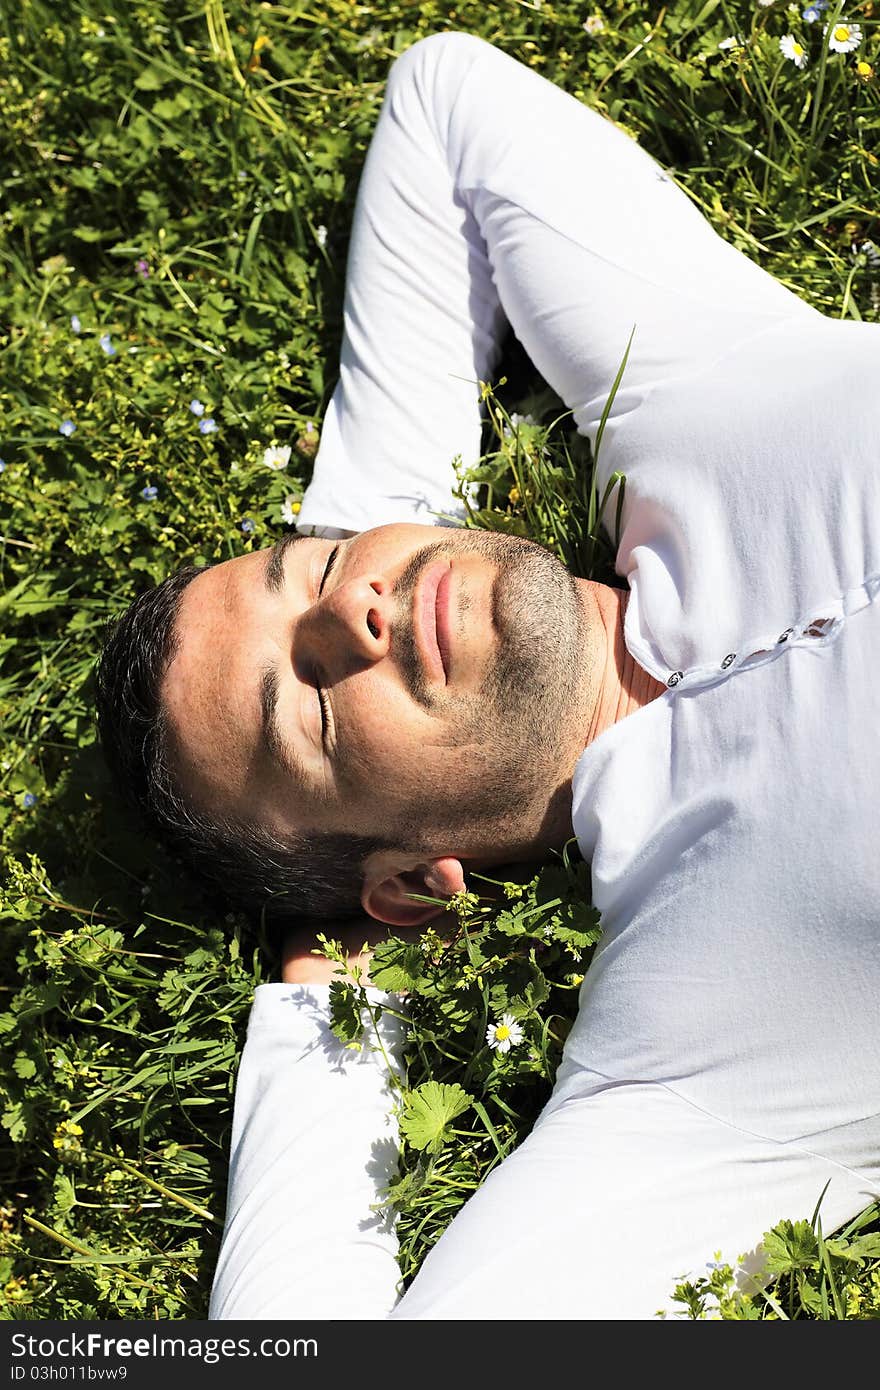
<point x="441" y="614"/>
<point x="431" y="619"/>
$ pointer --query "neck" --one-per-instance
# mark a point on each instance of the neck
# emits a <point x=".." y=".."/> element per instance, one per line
<point x="614" y="686"/>
<point x="623" y="685"/>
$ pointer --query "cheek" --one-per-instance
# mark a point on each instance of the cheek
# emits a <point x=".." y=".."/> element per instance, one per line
<point x="382" y="728"/>
<point x="390" y="741"/>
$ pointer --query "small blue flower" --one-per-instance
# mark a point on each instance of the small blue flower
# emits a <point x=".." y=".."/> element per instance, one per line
<point x="75" y="324"/>
<point x="208" y="425"/>
<point x="814" y="11"/>
<point x="67" y="428"/>
<point x="247" y="525"/>
<point x="107" y="346"/>
<point x="2" y="465"/>
<point x="28" y="800"/>
<point x="150" y="493"/>
<point x="197" y="408"/>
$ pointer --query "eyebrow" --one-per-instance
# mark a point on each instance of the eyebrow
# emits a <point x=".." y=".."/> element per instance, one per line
<point x="271" y="735"/>
<point x="275" y="745"/>
<point x="273" y="574"/>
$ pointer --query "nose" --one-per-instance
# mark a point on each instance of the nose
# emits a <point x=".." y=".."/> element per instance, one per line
<point x="346" y="629"/>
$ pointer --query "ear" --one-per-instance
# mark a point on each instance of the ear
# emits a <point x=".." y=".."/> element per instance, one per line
<point x="388" y="885"/>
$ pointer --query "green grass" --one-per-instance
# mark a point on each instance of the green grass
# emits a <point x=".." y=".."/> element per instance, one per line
<point x="175" y="182"/>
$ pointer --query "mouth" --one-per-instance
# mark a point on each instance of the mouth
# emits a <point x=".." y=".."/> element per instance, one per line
<point x="432" y="620"/>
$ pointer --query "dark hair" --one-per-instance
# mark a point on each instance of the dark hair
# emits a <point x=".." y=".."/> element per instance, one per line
<point x="300" y="875"/>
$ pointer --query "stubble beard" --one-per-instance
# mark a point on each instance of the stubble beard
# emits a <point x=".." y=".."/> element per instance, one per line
<point x="517" y="726"/>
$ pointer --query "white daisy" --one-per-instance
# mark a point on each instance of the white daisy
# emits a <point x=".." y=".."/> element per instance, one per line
<point x="516" y="420"/>
<point x="733" y="41"/>
<point x="504" y="1034"/>
<point x="793" y="50"/>
<point x="290" y="509"/>
<point x="843" y="37"/>
<point x="275" y="457"/>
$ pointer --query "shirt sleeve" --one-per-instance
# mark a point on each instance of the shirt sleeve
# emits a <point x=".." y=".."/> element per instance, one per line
<point x="314" y="1142"/>
<point x="489" y="199"/>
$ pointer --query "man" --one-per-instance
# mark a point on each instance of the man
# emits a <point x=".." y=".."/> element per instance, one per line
<point x="361" y="715"/>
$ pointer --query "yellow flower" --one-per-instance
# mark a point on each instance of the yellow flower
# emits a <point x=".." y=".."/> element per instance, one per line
<point x="66" y="1127"/>
<point x="66" y="1141"/>
<point x="260" y="43"/>
<point x="864" y="70"/>
<point x="513" y="495"/>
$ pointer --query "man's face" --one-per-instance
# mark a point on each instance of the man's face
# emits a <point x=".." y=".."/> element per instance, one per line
<point x="408" y="684"/>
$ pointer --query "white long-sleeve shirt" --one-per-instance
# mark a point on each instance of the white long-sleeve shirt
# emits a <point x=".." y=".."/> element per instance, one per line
<point x="725" y="1061"/>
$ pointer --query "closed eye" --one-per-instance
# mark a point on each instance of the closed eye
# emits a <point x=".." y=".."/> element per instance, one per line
<point x="326" y="719"/>
<point x="331" y="561"/>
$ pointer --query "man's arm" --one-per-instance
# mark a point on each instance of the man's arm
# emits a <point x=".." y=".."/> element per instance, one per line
<point x="490" y="197"/>
<point x="314" y="1143"/>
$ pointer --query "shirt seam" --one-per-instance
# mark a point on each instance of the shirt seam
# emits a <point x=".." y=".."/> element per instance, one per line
<point x="793" y="1145"/>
